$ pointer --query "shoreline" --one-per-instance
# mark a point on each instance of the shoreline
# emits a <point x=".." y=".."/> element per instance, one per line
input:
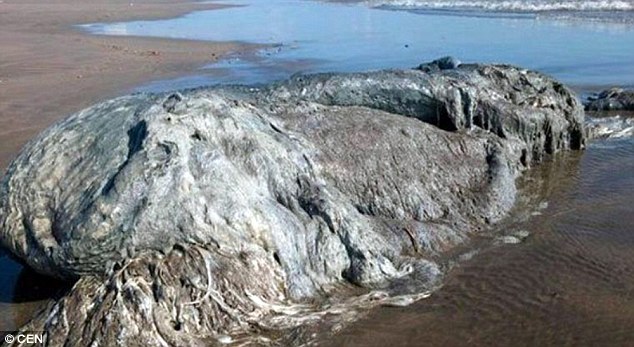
<point x="51" y="68"/>
<point x="88" y="68"/>
<point x="359" y="121"/>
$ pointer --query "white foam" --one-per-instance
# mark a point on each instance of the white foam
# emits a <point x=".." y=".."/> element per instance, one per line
<point x="611" y="127"/>
<point x="510" y="5"/>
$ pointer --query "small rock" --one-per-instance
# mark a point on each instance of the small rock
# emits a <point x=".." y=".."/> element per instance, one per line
<point x="444" y="63"/>
<point x="613" y="99"/>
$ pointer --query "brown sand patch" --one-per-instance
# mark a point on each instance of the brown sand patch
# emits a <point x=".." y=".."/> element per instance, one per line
<point x="49" y="69"/>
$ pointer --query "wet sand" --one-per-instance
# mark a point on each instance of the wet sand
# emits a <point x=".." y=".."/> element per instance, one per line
<point x="569" y="284"/>
<point x="22" y="293"/>
<point x="49" y="69"/>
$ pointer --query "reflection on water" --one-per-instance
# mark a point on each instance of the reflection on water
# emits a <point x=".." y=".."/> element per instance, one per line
<point x="569" y="283"/>
<point x="313" y="36"/>
<point x="22" y="293"/>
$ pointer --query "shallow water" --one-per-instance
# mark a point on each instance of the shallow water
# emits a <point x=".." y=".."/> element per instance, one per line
<point x="22" y="293"/>
<point x="569" y="283"/>
<point x="310" y="36"/>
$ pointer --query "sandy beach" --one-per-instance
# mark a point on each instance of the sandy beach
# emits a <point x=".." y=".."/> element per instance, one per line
<point x="49" y="69"/>
<point x="306" y="196"/>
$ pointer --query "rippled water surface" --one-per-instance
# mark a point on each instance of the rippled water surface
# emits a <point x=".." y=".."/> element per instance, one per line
<point x="570" y="283"/>
<point x="612" y="11"/>
<point x="311" y="36"/>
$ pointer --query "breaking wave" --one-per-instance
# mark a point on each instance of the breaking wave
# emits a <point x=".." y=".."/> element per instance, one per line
<point x="616" y="11"/>
<point x="512" y="5"/>
<point x="610" y="127"/>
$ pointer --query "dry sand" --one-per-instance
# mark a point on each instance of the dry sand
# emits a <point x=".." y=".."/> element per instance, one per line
<point x="49" y="69"/>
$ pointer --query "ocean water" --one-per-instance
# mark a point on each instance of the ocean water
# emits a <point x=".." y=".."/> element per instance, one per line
<point x="309" y="36"/>
<point x="515" y="5"/>
<point x="614" y="11"/>
<point x="570" y="282"/>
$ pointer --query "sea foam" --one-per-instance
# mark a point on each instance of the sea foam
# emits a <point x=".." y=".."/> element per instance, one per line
<point x="522" y="6"/>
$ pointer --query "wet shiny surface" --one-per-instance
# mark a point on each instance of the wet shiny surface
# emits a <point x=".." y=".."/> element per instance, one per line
<point x="314" y="36"/>
<point x="570" y="283"/>
<point x="22" y="293"/>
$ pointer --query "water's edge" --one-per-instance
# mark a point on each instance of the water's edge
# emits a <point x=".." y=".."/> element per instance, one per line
<point x="263" y="67"/>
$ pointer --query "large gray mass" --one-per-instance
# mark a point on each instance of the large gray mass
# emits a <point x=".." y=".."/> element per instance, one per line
<point x="204" y="212"/>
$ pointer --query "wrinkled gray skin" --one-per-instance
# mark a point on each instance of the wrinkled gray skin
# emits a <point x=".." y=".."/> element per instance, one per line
<point x="614" y="99"/>
<point x="214" y="212"/>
